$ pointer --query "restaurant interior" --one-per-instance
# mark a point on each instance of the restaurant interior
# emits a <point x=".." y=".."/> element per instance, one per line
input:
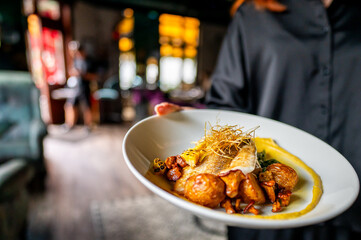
<point x="61" y="181"/>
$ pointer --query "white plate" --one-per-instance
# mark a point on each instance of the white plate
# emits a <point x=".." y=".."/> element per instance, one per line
<point x="172" y="134"/>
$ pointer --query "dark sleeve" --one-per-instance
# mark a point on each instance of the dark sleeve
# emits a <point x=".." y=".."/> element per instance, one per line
<point x="228" y="89"/>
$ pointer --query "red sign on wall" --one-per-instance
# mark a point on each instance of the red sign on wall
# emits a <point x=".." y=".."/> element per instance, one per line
<point x="53" y="56"/>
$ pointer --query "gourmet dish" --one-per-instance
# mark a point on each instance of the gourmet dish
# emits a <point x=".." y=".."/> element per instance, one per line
<point x="231" y="169"/>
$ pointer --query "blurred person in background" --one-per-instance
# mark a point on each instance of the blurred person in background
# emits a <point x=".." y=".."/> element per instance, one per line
<point x="79" y="81"/>
<point x="299" y="62"/>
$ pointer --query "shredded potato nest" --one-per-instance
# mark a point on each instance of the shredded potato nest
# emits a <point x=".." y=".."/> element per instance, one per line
<point x="225" y="140"/>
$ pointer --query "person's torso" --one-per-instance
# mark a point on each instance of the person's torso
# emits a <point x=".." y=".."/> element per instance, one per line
<point x="303" y="67"/>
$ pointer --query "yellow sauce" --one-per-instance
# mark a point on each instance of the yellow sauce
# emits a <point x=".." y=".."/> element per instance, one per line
<point x="272" y="151"/>
<point x="276" y="152"/>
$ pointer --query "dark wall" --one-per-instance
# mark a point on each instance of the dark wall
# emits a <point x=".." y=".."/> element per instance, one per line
<point x="12" y="29"/>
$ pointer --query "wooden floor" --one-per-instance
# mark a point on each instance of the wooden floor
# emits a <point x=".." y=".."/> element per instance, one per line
<point x="82" y="168"/>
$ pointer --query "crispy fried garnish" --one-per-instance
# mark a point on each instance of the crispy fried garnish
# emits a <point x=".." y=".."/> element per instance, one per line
<point x="225" y="140"/>
<point x="269" y="188"/>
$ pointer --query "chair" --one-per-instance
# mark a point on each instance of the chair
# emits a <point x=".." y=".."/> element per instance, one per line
<point x="21" y="148"/>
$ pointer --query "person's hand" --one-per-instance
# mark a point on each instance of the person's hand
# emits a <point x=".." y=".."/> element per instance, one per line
<point x="165" y="108"/>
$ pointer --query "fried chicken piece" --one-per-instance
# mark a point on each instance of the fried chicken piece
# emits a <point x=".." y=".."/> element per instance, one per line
<point x="213" y="164"/>
<point x="285" y="176"/>
<point x="281" y="177"/>
<point x="250" y="190"/>
<point x="243" y="159"/>
<point x="270" y="188"/>
<point x="232" y="181"/>
<point x="265" y="176"/>
<point x="268" y="184"/>
<point x="205" y="189"/>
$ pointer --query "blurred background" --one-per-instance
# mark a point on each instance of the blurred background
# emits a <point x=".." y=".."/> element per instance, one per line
<point x="68" y="183"/>
<point x="134" y="46"/>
